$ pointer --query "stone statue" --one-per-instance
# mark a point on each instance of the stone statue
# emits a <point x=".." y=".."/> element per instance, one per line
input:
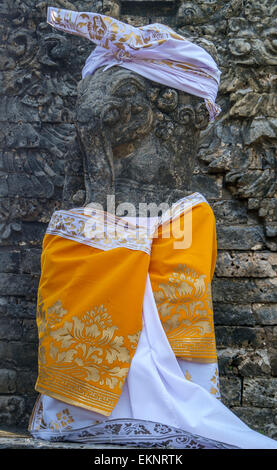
<point x="136" y="140"/>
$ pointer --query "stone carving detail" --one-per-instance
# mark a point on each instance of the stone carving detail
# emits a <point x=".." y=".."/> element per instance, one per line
<point x="136" y="140"/>
<point x="48" y="161"/>
<point x="242" y="144"/>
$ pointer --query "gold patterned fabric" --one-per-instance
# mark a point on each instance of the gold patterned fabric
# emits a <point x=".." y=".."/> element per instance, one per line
<point x="154" y="51"/>
<point x="181" y="283"/>
<point x="91" y="292"/>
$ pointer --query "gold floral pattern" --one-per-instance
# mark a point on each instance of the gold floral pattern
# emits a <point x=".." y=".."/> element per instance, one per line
<point x="184" y="303"/>
<point x="202" y="377"/>
<point x="134" y="339"/>
<point x="215" y="390"/>
<point x="46" y="318"/>
<point x="87" y="344"/>
<point x="63" y="418"/>
<point x="63" y="421"/>
<point x="188" y="375"/>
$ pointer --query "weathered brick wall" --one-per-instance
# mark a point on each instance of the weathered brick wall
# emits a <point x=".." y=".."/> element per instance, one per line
<point x="236" y="171"/>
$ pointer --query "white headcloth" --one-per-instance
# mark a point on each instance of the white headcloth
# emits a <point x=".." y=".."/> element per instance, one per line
<point x="154" y="51"/>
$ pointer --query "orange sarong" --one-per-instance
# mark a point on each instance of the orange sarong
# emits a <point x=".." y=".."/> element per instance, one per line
<point x="91" y="290"/>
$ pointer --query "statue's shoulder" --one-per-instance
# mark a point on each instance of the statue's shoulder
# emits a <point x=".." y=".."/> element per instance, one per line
<point x="198" y="203"/>
<point x="192" y="200"/>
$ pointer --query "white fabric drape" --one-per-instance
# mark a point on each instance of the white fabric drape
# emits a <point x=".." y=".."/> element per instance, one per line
<point x="157" y="389"/>
<point x="154" y="51"/>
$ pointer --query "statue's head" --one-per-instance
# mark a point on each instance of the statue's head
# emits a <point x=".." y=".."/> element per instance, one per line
<point x="138" y="136"/>
<point x="137" y="133"/>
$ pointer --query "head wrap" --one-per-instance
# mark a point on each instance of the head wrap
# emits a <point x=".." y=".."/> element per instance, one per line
<point x="154" y="51"/>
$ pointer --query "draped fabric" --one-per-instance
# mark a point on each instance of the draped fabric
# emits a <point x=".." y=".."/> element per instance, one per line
<point x="94" y="268"/>
<point x="181" y="282"/>
<point x="127" y="351"/>
<point x="154" y="51"/>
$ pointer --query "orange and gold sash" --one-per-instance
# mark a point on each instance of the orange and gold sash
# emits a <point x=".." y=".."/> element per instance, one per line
<point x="181" y="283"/>
<point x="91" y="290"/>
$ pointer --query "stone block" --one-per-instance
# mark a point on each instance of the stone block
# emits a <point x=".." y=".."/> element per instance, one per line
<point x="265" y="314"/>
<point x="209" y="185"/>
<point x="30" y="233"/>
<point x="37" y="210"/>
<point x="11" y="329"/>
<point x="9" y="261"/>
<point x="7" y="381"/>
<point x="260" y="392"/>
<point x="18" y="355"/>
<point x="271" y="336"/>
<point x="25" y="381"/>
<point x="239" y="337"/>
<point x="226" y="360"/>
<point x="17" y="284"/>
<point x="243" y="291"/>
<point x="240" y="237"/>
<point x="253" y="364"/>
<point x="3" y="305"/>
<point x="31" y="261"/>
<point x="13" y="110"/>
<point x="30" y="332"/>
<point x="233" y="315"/>
<point x="230" y="389"/>
<point x="33" y="233"/>
<point x="229" y="212"/>
<point x="16" y="307"/>
<point x="268" y="209"/>
<point x="11" y="409"/>
<point x="233" y="264"/>
<point x="4" y="354"/>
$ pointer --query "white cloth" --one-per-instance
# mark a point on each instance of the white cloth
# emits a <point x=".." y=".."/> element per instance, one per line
<point x="156" y="390"/>
<point x="154" y="51"/>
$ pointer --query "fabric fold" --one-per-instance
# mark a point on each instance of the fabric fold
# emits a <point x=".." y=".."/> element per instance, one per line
<point x="94" y="267"/>
<point x="165" y="402"/>
<point x="154" y="51"/>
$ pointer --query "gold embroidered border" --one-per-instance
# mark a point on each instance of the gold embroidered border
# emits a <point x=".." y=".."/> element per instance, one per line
<point x="181" y="206"/>
<point x="99" y="229"/>
<point x="105" y="231"/>
<point x="194" y="349"/>
<point x="70" y="390"/>
<point x="33" y="417"/>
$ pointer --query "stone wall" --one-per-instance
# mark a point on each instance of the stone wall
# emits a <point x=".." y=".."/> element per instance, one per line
<point x="236" y="171"/>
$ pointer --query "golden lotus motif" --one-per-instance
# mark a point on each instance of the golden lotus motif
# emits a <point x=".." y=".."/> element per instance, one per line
<point x="184" y="304"/>
<point x="88" y="344"/>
